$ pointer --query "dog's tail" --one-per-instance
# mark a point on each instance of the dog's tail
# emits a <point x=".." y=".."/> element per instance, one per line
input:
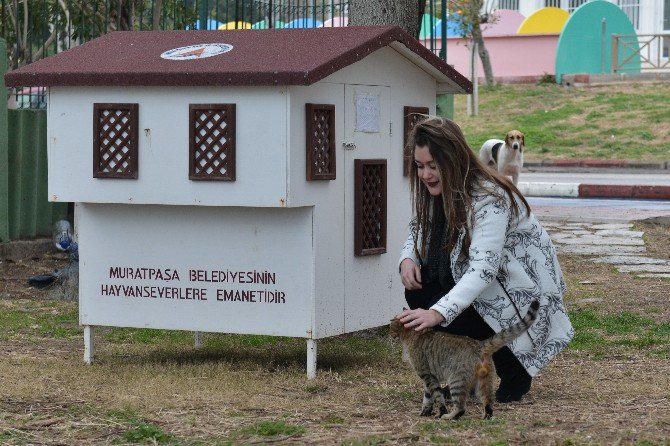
<point x="499" y="340"/>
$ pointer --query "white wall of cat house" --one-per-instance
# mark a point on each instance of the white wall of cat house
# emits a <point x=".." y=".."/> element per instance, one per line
<point x="275" y="250"/>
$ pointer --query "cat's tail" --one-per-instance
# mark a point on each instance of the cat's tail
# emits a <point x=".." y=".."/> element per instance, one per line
<point x="499" y="340"/>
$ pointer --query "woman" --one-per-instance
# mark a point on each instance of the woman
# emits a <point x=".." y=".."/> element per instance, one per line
<point x="476" y="257"/>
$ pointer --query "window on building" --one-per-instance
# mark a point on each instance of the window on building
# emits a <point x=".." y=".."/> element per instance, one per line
<point x="574" y="4"/>
<point x="320" y="144"/>
<point x="212" y="142"/>
<point x="369" y="207"/>
<point x="632" y="10"/>
<point x="115" y="140"/>
<point x="552" y="3"/>
<point x="508" y="4"/>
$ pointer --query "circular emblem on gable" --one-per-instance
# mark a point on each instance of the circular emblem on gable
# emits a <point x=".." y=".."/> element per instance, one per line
<point x="197" y="51"/>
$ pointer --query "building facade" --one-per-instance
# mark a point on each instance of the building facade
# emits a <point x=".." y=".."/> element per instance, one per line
<point x="647" y="16"/>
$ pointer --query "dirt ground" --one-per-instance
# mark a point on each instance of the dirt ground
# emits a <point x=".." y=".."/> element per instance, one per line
<point x="239" y="391"/>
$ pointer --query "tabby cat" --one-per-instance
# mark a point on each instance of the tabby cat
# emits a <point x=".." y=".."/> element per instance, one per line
<point x="460" y="361"/>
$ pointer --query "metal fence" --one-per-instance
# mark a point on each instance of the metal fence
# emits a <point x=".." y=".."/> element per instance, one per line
<point x="45" y="27"/>
<point x="40" y="28"/>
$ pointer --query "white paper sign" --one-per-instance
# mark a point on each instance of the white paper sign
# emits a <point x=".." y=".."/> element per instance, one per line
<point x="367" y="113"/>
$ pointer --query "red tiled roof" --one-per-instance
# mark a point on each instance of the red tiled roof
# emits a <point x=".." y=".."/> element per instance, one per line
<point x="258" y="57"/>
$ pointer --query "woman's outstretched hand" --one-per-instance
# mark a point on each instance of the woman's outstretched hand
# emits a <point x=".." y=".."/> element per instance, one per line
<point x="410" y="274"/>
<point x="420" y="319"/>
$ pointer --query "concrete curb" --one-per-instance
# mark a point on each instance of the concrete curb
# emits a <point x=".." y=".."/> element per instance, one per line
<point x="581" y="190"/>
<point x="549" y="189"/>
<point x="598" y="163"/>
<point x="585" y="79"/>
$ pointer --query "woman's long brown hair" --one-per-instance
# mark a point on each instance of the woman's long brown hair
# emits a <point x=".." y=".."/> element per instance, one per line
<point x="461" y="173"/>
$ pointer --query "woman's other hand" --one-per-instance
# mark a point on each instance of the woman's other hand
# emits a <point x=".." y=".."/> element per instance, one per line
<point x="410" y="274"/>
<point x="420" y="319"/>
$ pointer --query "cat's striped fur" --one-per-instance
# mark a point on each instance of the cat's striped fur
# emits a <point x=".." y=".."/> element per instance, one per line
<point x="459" y="361"/>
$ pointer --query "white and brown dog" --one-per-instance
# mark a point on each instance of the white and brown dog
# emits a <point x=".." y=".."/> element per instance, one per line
<point x="505" y="156"/>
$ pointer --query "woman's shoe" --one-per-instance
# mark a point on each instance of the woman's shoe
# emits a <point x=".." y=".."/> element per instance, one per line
<point x="513" y="389"/>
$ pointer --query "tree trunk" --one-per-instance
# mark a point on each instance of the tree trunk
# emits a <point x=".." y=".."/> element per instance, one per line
<point x="158" y="11"/>
<point x="403" y="13"/>
<point x="127" y="11"/>
<point x="483" y="53"/>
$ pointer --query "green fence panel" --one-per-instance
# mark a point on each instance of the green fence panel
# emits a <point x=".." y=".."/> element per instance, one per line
<point x="29" y="212"/>
<point x="4" y="152"/>
<point x="445" y="105"/>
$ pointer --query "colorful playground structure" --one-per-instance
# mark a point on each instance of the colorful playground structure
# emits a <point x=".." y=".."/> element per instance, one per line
<point x="550" y="41"/>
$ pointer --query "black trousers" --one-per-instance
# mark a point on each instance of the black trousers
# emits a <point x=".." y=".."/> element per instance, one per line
<point x="468" y="323"/>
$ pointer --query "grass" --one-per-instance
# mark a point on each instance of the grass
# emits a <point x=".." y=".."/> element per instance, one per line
<point x="164" y="392"/>
<point x="372" y="440"/>
<point x="269" y="429"/>
<point x="153" y="387"/>
<point x="38" y="319"/>
<point x="605" y="122"/>
<point x="48" y="319"/>
<point x="603" y="334"/>
<point x="144" y="433"/>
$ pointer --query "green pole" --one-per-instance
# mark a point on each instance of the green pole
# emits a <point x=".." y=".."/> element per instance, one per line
<point x="4" y="149"/>
<point x="203" y="13"/>
<point x="444" y="102"/>
<point x="443" y="42"/>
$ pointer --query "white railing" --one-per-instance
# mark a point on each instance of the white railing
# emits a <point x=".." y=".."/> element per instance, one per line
<point x="651" y="50"/>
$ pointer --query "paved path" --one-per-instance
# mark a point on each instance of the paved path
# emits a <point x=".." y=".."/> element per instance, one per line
<point x="613" y="243"/>
<point x="597" y="210"/>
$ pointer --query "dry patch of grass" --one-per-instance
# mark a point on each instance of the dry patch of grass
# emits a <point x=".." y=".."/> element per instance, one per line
<point x="656" y="236"/>
<point x="575" y="401"/>
<point x="611" y="386"/>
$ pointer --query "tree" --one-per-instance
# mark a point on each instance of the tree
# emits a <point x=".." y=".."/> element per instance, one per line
<point x="470" y="15"/>
<point x="37" y="29"/>
<point x="406" y="14"/>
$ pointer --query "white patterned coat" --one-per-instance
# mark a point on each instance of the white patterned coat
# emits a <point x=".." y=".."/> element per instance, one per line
<point x="511" y="262"/>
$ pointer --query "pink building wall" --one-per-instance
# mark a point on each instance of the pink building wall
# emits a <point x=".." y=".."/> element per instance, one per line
<point x="506" y="22"/>
<point x="515" y="58"/>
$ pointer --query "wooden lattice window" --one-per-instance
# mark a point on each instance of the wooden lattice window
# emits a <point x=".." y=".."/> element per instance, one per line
<point x="370" y="207"/>
<point x="212" y="142"/>
<point x="320" y="130"/>
<point x="412" y="116"/>
<point x="115" y="140"/>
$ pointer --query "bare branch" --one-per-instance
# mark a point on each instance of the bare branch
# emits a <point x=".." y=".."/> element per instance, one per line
<point x="40" y="53"/>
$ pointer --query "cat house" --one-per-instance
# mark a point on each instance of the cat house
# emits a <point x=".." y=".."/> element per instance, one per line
<point x="247" y="181"/>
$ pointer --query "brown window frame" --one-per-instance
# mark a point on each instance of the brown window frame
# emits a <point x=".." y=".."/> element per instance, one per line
<point x="408" y="117"/>
<point x="312" y="174"/>
<point x="359" y="166"/>
<point x="132" y="143"/>
<point x="231" y="129"/>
